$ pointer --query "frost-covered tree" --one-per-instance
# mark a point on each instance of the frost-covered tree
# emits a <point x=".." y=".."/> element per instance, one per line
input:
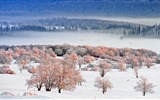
<point x="103" y="83"/>
<point x="78" y="77"/>
<point x="80" y="61"/>
<point x="5" y="57"/>
<point x="72" y="57"/>
<point x="104" y="67"/>
<point x="50" y="52"/>
<point x="141" y="60"/>
<point x="23" y="61"/>
<point x="88" y="58"/>
<point x="37" y="79"/>
<point x="121" y="66"/>
<point x="134" y="61"/>
<point x="149" y="62"/>
<point x="144" y="86"/>
<point x="55" y="73"/>
<point x="50" y="70"/>
<point x="81" y="51"/>
<point x="64" y="79"/>
<point x="32" y="70"/>
<point x="59" y="51"/>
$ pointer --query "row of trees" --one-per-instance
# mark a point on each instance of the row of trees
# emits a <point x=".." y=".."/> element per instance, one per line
<point x="143" y="85"/>
<point x="61" y="24"/>
<point x="148" y="31"/>
<point x="118" y="58"/>
<point x="56" y="73"/>
<point x="103" y="82"/>
<point x="65" y="24"/>
<point x="61" y="73"/>
<point x="52" y="72"/>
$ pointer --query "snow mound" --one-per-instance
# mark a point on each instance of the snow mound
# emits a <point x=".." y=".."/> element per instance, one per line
<point x="8" y="94"/>
<point x="6" y="70"/>
<point x="29" y="94"/>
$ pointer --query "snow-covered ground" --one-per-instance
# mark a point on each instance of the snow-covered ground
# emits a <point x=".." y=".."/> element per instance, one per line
<point x="79" y="38"/>
<point x="123" y="83"/>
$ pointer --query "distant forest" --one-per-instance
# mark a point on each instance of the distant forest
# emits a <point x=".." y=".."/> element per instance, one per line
<point x="65" y="24"/>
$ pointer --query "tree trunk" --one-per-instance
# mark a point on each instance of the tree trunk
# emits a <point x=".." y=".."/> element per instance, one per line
<point x="80" y="83"/>
<point x="47" y="89"/>
<point x="132" y="66"/>
<point x="21" y="70"/>
<point x="103" y="91"/>
<point x="39" y="87"/>
<point x="136" y="76"/>
<point x="144" y="93"/>
<point x="102" y="74"/>
<point x="79" y="66"/>
<point x="59" y="90"/>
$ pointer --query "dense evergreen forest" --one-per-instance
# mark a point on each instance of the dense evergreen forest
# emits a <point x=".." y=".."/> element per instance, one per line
<point x="66" y="24"/>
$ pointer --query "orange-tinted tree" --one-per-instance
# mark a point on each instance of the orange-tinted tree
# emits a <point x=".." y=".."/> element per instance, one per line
<point x="121" y="66"/>
<point x="104" y="67"/>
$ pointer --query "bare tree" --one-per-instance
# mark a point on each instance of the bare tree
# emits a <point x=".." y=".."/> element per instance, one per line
<point x="144" y="86"/>
<point x="103" y="83"/>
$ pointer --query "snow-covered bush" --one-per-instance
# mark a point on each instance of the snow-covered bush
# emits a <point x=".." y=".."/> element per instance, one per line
<point x="8" y="94"/>
<point x="84" y="69"/>
<point x="5" y="57"/>
<point x="88" y="58"/>
<point x="81" y="51"/>
<point x="29" y="94"/>
<point x="32" y="70"/>
<point x="6" y="70"/>
<point x="80" y="61"/>
<point x="149" y="62"/>
<point x="93" y="69"/>
<point x="121" y="66"/>
<point x="59" y="52"/>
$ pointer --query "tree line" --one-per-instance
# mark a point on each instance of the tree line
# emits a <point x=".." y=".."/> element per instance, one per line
<point x="60" y="66"/>
<point x="65" y="24"/>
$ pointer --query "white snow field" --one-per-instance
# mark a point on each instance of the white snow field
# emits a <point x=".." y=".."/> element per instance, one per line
<point x="123" y="82"/>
